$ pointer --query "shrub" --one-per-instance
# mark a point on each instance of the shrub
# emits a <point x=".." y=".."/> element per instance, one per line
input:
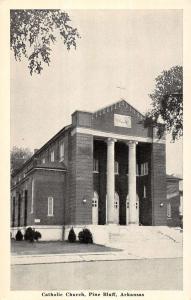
<point x="19" y="236"/>
<point x="85" y="236"/>
<point x="29" y="234"/>
<point x="37" y="235"/>
<point x="71" y="236"/>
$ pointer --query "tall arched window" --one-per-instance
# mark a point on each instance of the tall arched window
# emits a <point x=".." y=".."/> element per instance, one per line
<point x="95" y="200"/>
<point x="116" y="201"/>
<point x="116" y="167"/>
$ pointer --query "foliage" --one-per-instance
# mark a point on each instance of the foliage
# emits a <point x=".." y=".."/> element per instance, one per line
<point x="18" y="157"/>
<point x="71" y="236"/>
<point x="33" y="31"/>
<point x="85" y="236"/>
<point x="19" y="236"/>
<point x="31" y="235"/>
<point x="37" y="235"/>
<point x="167" y="103"/>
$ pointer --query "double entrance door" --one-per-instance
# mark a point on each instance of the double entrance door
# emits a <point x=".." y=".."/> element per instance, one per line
<point x="95" y="209"/>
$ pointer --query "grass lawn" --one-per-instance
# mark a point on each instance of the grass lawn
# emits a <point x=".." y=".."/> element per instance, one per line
<point x="56" y="247"/>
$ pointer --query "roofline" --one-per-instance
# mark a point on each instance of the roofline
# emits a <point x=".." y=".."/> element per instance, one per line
<point x="64" y="129"/>
<point x="172" y="177"/>
<point x="122" y="99"/>
<point x="82" y="111"/>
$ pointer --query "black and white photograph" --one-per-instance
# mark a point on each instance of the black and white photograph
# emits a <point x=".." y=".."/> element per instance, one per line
<point x="96" y="151"/>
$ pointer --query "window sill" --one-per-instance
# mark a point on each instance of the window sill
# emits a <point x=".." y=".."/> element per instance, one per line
<point x="96" y="172"/>
<point x="50" y="215"/>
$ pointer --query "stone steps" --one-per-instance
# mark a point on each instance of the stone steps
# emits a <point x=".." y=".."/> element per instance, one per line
<point x="144" y="233"/>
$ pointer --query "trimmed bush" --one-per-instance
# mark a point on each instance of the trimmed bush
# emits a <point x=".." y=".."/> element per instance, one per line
<point x="85" y="236"/>
<point x="37" y="235"/>
<point x="19" y="236"/>
<point x="29" y="234"/>
<point x="71" y="236"/>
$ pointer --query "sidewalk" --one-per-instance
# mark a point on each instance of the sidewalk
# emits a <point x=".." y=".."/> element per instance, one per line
<point x="68" y="258"/>
<point x="159" y="243"/>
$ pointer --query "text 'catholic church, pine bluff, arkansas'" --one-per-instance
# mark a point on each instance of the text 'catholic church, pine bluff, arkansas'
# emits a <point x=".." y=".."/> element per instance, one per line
<point x="105" y="168"/>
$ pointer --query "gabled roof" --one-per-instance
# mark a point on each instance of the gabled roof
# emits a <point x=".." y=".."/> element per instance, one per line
<point x="121" y="103"/>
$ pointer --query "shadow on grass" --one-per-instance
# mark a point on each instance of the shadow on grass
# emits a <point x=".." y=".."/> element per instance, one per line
<point x="56" y="247"/>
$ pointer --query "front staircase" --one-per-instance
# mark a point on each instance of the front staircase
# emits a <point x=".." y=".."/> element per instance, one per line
<point x="147" y="241"/>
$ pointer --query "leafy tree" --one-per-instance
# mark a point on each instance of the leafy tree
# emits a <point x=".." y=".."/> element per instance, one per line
<point x="167" y="103"/>
<point x="32" y="32"/>
<point x="18" y="157"/>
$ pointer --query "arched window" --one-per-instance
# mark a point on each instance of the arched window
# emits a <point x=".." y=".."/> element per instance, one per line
<point x="116" y="201"/>
<point x="95" y="200"/>
<point x="116" y="167"/>
<point x="95" y="165"/>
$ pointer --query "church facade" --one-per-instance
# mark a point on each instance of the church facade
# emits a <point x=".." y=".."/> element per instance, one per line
<point x="106" y="168"/>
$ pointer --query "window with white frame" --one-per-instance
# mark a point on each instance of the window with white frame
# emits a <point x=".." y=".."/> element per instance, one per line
<point x="144" y="169"/>
<point x="32" y="197"/>
<point x="168" y="210"/>
<point x="95" y="165"/>
<point x="116" y="201"/>
<point x="144" y="192"/>
<point x="94" y="202"/>
<point x="50" y="206"/>
<point x="61" y="151"/>
<point x="52" y="156"/>
<point x="137" y="169"/>
<point x="116" y="167"/>
<point x="43" y="160"/>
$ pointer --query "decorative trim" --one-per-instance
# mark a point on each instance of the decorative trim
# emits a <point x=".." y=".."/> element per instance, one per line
<point x="115" y="135"/>
<point x="169" y="196"/>
<point x="45" y="169"/>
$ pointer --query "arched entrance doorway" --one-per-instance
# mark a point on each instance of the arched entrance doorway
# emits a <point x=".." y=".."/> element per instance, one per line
<point x="127" y="210"/>
<point x="95" y="203"/>
<point x="116" y="208"/>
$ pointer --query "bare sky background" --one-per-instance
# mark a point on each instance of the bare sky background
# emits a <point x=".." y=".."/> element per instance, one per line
<point x="128" y="48"/>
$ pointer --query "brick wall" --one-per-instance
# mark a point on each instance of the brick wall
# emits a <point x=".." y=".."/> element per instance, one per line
<point x="105" y="122"/>
<point x="81" y="179"/>
<point x="19" y="191"/>
<point x="173" y="197"/>
<point x="49" y="184"/>
<point x="158" y="181"/>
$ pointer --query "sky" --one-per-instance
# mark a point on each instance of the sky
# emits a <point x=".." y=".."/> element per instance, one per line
<point x="126" y="48"/>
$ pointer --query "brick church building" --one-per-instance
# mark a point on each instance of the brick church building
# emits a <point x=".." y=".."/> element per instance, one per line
<point x="105" y="168"/>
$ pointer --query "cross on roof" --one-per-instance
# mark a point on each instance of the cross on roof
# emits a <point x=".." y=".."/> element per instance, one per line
<point x="121" y="89"/>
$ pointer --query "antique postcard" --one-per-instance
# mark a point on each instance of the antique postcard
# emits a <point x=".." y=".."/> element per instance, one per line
<point x="92" y="157"/>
